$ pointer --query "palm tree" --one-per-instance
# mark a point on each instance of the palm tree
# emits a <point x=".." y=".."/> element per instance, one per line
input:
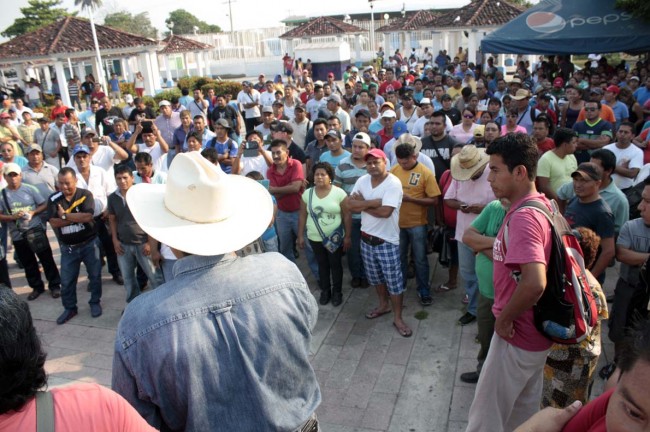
<point x="90" y="6"/>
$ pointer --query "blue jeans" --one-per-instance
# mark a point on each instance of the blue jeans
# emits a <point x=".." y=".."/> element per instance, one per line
<point x="415" y="238"/>
<point x="355" y="263"/>
<point x="127" y="262"/>
<point x="466" y="265"/>
<point x="271" y="245"/>
<point x="71" y="259"/>
<point x="286" y="225"/>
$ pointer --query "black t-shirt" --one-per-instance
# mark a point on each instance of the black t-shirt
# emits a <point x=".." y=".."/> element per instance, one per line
<point x="227" y="113"/>
<point x="297" y="153"/>
<point x="87" y="87"/>
<point x="146" y="112"/>
<point x="106" y="119"/>
<point x="453" y="114"/>
<point x="81" y="202"/>
<point x="442" y="157"/>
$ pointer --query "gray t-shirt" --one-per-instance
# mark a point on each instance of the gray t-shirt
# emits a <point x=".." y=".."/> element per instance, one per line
<point x="635" y="235"/>
<point x="25" y="198"/>
<point x="48" y="140"/>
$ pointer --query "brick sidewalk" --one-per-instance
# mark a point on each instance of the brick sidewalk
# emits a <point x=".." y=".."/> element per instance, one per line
<point x="371" y="378"/>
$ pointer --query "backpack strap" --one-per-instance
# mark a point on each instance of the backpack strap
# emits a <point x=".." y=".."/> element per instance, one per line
<point x="535" y="205"/>
<point x="213" y="142"/>
<point x="44" y="412"/>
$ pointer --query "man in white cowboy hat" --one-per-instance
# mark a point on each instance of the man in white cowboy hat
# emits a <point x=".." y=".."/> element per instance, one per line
<point x="527" y="114"/>
<point x="224" y="346"/>
<point x="468" y="193"/>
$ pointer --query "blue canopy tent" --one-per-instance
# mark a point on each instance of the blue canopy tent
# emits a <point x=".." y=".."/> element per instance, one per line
<point x="570" y="27"/>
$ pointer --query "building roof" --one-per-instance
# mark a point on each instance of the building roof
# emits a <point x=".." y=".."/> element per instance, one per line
<point x="321" y="26"/>
<point x="175" y="44"/>
<point x="410" y="22"/>
<point x="480" y="13"/>
<point x="69" y="36"/>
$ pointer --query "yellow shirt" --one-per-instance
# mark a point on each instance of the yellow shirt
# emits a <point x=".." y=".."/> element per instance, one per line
<point x="418" y="182"/>
<point x="7" y="132"/>
<point x="454" y="93"/>
<point x="27" y="132"/>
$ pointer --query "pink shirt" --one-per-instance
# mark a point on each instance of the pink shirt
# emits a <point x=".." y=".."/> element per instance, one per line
<point x="518" y="129"/>
<point x="81" y="407"/>
<point x="529" y="240"/>
<point x="469" y="192"/>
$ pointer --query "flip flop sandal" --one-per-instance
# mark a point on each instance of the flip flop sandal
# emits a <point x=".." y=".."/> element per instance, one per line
<point x="404" y="332"/>
<point x="376" y="313"/>
<point x="444" y="288"/>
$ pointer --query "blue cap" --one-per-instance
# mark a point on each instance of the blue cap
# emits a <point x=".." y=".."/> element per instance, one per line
<point x="399" y="128"/>
<point x="80" y="148"/>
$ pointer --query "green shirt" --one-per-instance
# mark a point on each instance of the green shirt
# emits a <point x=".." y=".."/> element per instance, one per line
<point x="488" y="224"/>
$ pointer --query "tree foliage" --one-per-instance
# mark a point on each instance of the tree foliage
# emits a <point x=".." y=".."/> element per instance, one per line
<point x="524" y="3"/>
<point x="638" y="8"/>
<point x="184" y="23"/>
<point x="37" y="14"/>
<point x="139" y="24"/>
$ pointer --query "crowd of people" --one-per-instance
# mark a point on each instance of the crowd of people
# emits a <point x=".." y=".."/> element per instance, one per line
<point x="366" y="168"/>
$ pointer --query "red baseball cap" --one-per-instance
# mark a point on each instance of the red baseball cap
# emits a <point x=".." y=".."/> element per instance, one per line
<point x="558" y="82"/>
<point x="614" y="89"/>
<point x="377" y="153"/>
<point x="331" y="74"/>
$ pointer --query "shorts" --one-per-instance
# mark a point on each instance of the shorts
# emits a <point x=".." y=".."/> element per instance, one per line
<point x="383" y="266"/>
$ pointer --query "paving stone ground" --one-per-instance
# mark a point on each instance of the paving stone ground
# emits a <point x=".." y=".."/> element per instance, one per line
<point x="371" y="378"/>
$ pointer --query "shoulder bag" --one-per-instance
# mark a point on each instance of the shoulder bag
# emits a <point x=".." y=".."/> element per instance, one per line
<point x="35" y="237"/>
<point x="334" y="240"/>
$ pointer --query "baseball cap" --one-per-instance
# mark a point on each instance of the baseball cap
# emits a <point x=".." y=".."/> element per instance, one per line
<point x="34" y="147"/>
<point x="614" y="89"/>
<point x="558" y="82"/>
<point x="588" y="171"/>
<point x="223" y="123"/>
<point x="88" y="131"/>
<point x="164" y="103"/>
<point x="479" y="131"/>
<point x="334" y="98"/>
<point x="387" y="105"/>
<point x="80" y="148"/>
<point x="300" y="107"/>
<point x="277" y="103"/>
<point x="5" y="115"/>
<point x="334" y="134"/>
<point x="389" y="114"/>
<point x="354" y="69"/>
<point x="596" y="90"/>
<point x="331" y="74"/>
<point x="515" y="80"/>
<point x="363" y="112"/>
<point x="246" y="83"/>
<point x="375" y="152"/>
<point x="634" y="78"/>
<point x="546" y="96"/>
<point x="399" y="128"/>
<point x="42" y="120"/>
<point x="283" y="127"/>
<point x="128" y="98"/>
<point x="267" y="109"/>
<point x="425" y="101"/>
<point x="11" y="168"/>
<point x="363" y="137"/>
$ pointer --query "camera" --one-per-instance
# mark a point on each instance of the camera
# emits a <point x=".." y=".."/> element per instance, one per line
<point x="251" y="149"/>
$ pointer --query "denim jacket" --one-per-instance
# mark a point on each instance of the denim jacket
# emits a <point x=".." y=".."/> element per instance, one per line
<point x="224" y="346"/>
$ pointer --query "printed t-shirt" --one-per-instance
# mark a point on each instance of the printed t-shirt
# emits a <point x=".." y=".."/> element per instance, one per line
<point x="327" y="210"/>
<point x="418" y="182"/>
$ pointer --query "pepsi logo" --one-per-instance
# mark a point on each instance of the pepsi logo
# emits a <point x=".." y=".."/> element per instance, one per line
<point x="545" y="22"/>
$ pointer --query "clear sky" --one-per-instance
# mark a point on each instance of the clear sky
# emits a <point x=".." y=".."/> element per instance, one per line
<point x="246" y="13"/>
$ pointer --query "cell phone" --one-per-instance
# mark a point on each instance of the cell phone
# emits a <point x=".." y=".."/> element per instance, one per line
<point x="96" y="139"/>
<point x="251" y="149"/>
<point x="146" y="124"/>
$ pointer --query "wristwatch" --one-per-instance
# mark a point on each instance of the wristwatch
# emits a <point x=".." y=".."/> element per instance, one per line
<point x="64" y="216"/>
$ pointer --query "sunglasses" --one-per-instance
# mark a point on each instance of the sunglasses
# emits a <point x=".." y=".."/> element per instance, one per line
<point x="468" y="116"/>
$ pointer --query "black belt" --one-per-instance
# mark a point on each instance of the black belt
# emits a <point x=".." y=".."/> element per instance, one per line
<point x="80" y="244"/>
<point x="371" y="240"/>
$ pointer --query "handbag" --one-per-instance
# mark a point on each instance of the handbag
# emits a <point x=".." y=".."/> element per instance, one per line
<point x="335" y="239"/>
<point x="35" y="237"/>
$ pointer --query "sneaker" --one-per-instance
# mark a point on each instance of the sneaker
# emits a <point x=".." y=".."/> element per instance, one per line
<point x="466" y="319"/>
<point x="66" y="316"/>
<point x="356" y="282"/>
<point x="95" y="310"/>
<point x="465" y="299"/>
<point x="34" y="295"/>
<point x="118" y="279"/>
<point x="337" y="299"/>
<point x="426" y="300"/>
<point x="55" y="292"/>
<point x="469" y="377"/>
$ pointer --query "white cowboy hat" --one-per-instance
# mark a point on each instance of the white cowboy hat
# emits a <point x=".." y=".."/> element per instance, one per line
<point x="201" y="210"/>
<point x="468" y="162"/>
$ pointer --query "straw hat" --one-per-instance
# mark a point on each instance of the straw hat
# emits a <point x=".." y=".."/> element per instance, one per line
<point x="201" y="210"/>
<point x="468" y="162"/>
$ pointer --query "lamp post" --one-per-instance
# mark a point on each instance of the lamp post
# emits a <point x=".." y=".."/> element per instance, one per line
<point x="372" y="27"/>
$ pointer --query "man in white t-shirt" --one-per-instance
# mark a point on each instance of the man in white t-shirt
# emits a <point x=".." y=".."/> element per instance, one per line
<point x="629" y="158"/>
<point x="378" y="197"/>
<point x="103" y="152"/>
<point x="244" y="164"/>
<point x="250" y="100"/>
<point x="152" y="143"/>
<point x="198" y="106"/>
